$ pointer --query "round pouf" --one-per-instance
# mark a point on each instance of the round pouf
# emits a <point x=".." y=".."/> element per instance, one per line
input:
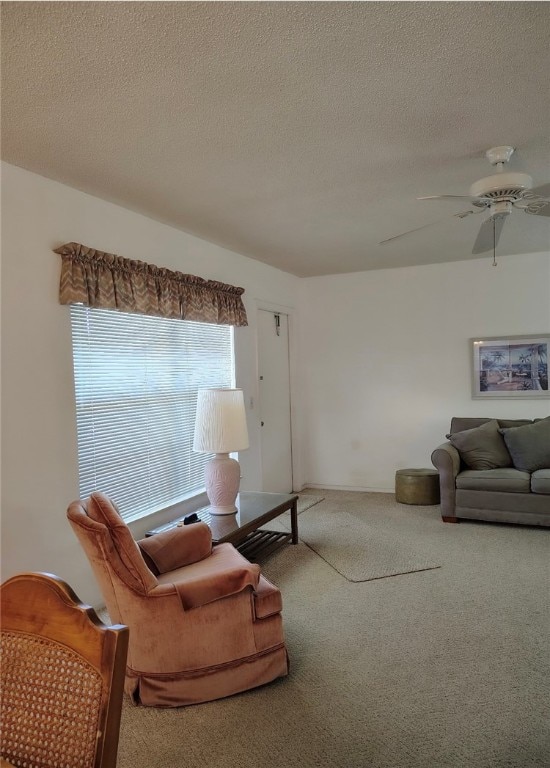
<point x="417" y="486"/>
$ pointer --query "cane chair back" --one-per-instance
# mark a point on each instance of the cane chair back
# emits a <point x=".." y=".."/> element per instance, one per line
<point x="62" y="675"/>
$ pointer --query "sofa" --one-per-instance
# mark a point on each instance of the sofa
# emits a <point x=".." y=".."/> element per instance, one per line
<point x="495" y="470"/>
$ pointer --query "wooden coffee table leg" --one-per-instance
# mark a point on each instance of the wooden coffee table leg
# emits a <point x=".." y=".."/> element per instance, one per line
<point x="294" y="521"/>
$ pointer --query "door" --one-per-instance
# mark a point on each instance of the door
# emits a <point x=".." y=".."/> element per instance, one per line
<point x="274" y="392"/>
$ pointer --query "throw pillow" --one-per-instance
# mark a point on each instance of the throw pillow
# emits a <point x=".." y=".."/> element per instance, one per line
<point x="482" y="447"/>
<point x="529" y="446"/>
<point x="177" y="546"/>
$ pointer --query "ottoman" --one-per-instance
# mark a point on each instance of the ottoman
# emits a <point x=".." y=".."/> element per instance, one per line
<point x="417" y="486"/>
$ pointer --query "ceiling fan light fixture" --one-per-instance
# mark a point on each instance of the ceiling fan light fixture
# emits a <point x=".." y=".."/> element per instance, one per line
<point x="500" y="209"/>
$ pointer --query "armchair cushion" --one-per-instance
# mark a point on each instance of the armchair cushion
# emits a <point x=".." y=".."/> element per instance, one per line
<point x="529" y="445"/>
<point x="177" y="547"/>
<point x="224" y="573"/>
<point x="482" y="447"/>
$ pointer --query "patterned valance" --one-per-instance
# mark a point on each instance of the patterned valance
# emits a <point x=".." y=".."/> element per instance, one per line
<point x="103" y="280"/>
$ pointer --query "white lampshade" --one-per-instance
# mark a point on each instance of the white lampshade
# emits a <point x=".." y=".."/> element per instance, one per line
<point x="220" y="426"/>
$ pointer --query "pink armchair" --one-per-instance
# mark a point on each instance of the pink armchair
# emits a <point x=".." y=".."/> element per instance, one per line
<point x="204" y="623"/>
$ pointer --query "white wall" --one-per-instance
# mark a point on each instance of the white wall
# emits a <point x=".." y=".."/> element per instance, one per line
<point x="39" y="456"/>
<point x="381" y="359"/>
<point x="387" y="360"/>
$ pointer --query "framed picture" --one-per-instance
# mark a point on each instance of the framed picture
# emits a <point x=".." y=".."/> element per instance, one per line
<point x="515" y="367"/>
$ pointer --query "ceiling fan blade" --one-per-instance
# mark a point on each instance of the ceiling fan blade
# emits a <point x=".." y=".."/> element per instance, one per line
<point x="542" y="191"/>
<point x="445" y="197"/>
<point x="408" y="232"/>
<point x="538" y="208"/>
<point x="489" y="234"/>
<point x="460" y="215"/>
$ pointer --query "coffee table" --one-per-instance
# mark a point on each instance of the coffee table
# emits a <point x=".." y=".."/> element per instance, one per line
<point x="242" y="529"/>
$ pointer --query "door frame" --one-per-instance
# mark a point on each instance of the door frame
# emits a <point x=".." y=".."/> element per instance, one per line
<point x="268" y="306"/>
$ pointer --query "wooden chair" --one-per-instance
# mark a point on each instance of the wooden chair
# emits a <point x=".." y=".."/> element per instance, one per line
<point x="62" y="677"/>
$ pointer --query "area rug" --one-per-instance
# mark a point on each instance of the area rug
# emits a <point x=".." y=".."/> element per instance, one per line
<point x="363" y="544"/>
<point x="305" y="501"/>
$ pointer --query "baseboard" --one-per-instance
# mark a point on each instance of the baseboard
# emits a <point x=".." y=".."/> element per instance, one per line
<point x="358" y="488"/>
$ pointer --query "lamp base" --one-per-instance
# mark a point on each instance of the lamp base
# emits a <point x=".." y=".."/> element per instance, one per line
<point x="222" y="479"/>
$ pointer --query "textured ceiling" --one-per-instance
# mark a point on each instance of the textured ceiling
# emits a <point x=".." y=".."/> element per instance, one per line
<point x="299" y="134"/>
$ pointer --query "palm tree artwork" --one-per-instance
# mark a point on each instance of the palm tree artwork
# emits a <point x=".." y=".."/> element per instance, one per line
<point x="539" y="368"/>
<point x="495" y="367"/>
<point x="514" y="367"/>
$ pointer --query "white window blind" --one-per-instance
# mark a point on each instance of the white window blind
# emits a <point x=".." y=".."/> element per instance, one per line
<point x="136" y="381"/>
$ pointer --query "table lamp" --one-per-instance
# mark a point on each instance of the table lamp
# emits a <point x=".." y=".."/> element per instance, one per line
<point x="220" y="428"/>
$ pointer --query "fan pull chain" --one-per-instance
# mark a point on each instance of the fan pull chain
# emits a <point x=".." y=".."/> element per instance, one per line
<point x="494" y="243"/>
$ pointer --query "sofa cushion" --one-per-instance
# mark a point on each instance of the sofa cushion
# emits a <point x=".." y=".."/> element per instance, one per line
<point x="482" y="447"/>
<point x="505" y="480"/>
<point x="529" y="446"/>
<point x="540" y="481"/>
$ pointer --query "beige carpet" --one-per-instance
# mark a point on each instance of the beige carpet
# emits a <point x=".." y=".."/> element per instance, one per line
<point x="306" y="501"/>
<point x="446" y="668"/>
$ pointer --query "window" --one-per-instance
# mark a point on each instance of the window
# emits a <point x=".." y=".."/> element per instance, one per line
<point x="136" y="381"/>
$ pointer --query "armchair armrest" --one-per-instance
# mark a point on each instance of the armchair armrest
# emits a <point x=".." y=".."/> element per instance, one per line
<point x="226" y="572"/>
<point x="176" y="547"/>
<point x="446" y="460"/>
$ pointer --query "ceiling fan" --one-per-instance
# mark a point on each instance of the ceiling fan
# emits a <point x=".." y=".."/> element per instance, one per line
<point x="496" y="195"/>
